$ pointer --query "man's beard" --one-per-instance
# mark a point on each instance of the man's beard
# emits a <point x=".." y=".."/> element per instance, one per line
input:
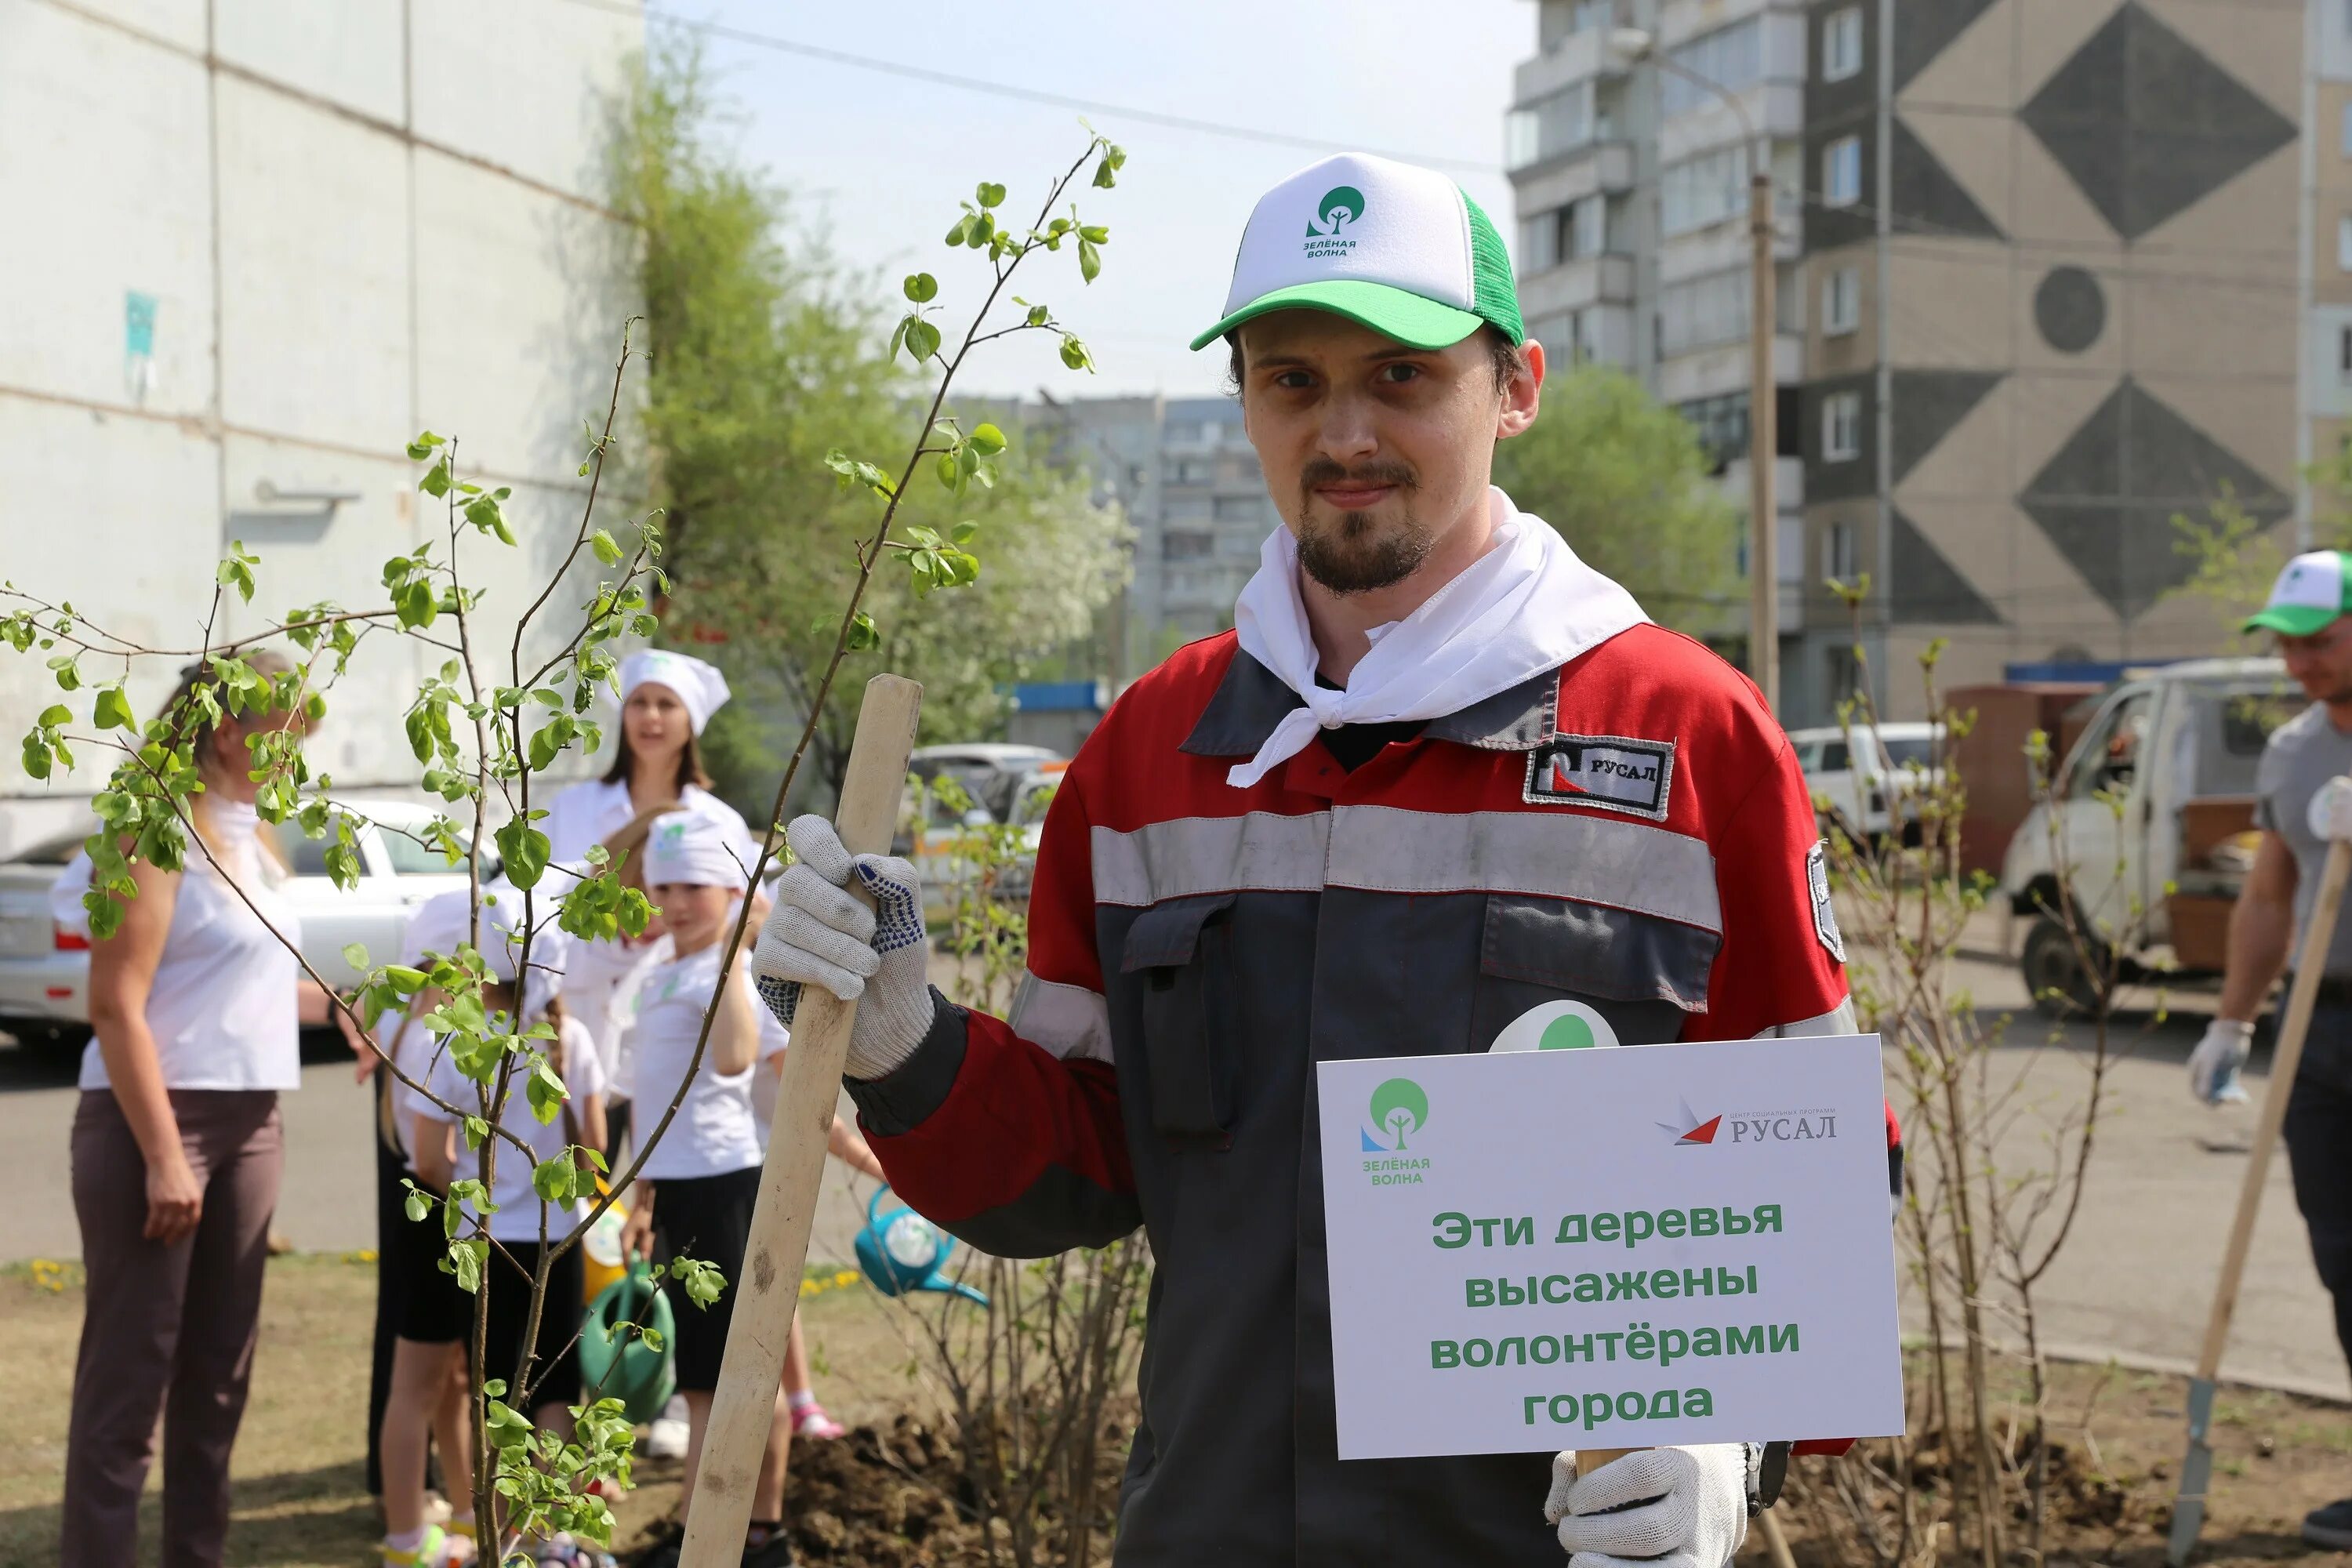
<point x="1345" y="556"/>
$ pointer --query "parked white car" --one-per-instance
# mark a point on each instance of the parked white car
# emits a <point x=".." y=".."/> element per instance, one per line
<point x="1862" y="781"/>
<point x="45" y="963"/>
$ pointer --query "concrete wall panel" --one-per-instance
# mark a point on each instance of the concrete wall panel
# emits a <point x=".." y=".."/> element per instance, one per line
<point x="102" y="171"/>
<point x="511" y="276"/>
<point x="176" y="22"/>
<point x="347" y="53"/>
<point x="544" y="119"/>
<point x="314" y="261"/>
<point x="1950" y="304"/>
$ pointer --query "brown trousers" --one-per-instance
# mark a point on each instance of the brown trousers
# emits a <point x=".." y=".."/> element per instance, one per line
<point x="168" y="1332"/>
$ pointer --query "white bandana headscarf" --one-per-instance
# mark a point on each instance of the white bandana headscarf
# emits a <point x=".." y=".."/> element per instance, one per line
<point x="1525" y="606"/>
<point x="688" y="848"/>
<point x="699" y="686"/>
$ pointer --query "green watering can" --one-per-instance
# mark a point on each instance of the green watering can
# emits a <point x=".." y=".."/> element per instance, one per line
<point x="623" y="1366"/>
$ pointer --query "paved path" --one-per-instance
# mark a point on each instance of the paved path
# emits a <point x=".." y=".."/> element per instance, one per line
<point x="2136" y="1277"/>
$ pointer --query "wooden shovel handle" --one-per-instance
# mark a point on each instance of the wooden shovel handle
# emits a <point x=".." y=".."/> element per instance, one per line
<point x="769" y="1290"/>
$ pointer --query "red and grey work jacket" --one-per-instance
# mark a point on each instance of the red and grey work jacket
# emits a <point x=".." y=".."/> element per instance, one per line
<point x="1630" y="831"/>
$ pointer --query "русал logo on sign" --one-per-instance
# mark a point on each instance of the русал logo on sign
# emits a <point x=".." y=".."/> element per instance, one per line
<point x="1692" y="1129"/>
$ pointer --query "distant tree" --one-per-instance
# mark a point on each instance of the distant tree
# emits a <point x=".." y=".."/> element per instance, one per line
<point x="1627" y="483"/>
<point x="761" y="364"/>
<point x="2235" y="555"/>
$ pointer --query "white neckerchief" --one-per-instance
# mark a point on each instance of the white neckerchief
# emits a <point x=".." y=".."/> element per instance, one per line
<point x="1525" y="606"/>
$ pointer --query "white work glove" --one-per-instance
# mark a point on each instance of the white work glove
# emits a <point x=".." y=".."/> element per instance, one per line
<point x="820" y="935"/>
<point x="2330" y="812"/>
<point x="1692" y="1508"/>
<point x="2213" y="1065"/>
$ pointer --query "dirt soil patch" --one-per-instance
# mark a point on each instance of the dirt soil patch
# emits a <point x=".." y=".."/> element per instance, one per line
<point x="892" y="1495"/>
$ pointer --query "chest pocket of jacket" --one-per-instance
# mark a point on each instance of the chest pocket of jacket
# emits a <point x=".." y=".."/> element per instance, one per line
<point x="1641" y="974"/>
<point x="1182" y="951"/>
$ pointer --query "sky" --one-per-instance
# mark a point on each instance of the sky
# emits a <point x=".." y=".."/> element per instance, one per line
<point x="880" y="162"/>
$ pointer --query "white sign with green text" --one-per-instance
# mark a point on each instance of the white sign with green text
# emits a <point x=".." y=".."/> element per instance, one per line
<point x="1544" y="1249"/>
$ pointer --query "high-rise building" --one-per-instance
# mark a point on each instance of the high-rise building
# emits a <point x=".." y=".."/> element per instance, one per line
<point x="1631" y="178"/>
<point x="2061" y="264"/>
<point x="2052" y="275"/>
<point x="1190" y="483"/>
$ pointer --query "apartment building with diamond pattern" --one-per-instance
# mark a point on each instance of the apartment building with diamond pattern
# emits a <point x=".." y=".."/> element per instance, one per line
<point x="2070" y="269"/>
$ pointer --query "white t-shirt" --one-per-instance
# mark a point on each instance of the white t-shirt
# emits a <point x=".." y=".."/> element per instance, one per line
<point x="222" y="1010"/>
<point x="714" y="1131"/>
<point x="588" y="813"/>
<point x="518" y="1203"/>
<point x="600" y="989"/>
<point x="415" y="1050"/>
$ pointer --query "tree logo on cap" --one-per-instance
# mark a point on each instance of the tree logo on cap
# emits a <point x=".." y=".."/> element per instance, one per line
<point x="1340" y="205"/>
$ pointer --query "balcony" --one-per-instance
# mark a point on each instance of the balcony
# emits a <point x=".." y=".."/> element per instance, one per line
<point x="1576" y="58"/>
<point x="1576" y="283"/>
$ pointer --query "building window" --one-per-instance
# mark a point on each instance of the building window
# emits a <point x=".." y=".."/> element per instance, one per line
<point x="2344" y="356"/>
<point x="2344" y="244"/>
<point x="1720" y="424"/>
<point x="1551" y="125"/>
<point x="1190" y="471"/>
<point x="1701" y="191"/>
<point x="1539" y="243"/>
<point x="1588" y="335"/>
<point x="1838" y="562"/>
<point x="1700" y="312"/>
<point x="1842" y="427"/>
<point x="1239" y="508"/>
<point x="1841" y="300"/>
<point x="1732" y="58"/>
<point x="1842" y="44"/>
<point x="1187" y="546"/>
<point x="1588" y="226"/>
<point x="1841" y="171"/>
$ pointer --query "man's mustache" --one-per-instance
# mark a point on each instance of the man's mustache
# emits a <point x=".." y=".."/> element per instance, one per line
<point x="1326" y="471"/>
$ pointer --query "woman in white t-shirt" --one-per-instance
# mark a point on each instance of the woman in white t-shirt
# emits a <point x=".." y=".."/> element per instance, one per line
<point x="666" y="699"/>
<point x="196" y="1002"/>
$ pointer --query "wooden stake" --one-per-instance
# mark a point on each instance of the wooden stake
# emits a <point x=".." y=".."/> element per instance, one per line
<point x="2310" y="967"/>
<point x="769" y="1291"/>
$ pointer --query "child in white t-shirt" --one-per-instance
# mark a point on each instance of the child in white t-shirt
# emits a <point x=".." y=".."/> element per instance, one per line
<point x="701" y="1180"/>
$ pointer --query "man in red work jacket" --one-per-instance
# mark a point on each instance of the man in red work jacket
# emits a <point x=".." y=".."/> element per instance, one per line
<point x="1441" y="775"/>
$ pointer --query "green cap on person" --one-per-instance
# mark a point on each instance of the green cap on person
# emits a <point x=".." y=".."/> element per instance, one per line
<point x="1398" y="249"/>
<point x="2313" y="591"/>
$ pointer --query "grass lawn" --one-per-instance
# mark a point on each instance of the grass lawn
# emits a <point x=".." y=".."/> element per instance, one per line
<point x="300" y="1479"/>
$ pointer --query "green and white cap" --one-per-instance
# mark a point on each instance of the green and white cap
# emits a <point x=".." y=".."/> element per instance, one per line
<point x="1398" y="249"/>
<point x="2314" y="590"/>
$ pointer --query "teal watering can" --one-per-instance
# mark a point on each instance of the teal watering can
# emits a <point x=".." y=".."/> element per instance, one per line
<point x="901" y="1251"/>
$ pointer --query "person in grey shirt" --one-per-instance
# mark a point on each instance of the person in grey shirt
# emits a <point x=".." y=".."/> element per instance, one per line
<point x="2304" y="800"/>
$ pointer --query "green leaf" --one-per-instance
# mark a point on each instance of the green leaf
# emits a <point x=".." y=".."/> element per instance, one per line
<point x="415" y="1205"/>
<point x="422" y="448"/>
<point x="991" y="195"/>
<point x="545" y="1090"/>
<point x="112" y="710"/>
<point x="606" y="550"/>
<point x="437" y="480"/>
<point x="1039" y="315"/>
<point x="69" y="673"/>
<point x="555" y="1180"/>
<point x="1095" y="232"/>
<point x="525" y="849"/>
<point x="920" y="287"/>
<point x="465" y="1261"/>
<point x="1075" y="355"/>
<point x="987" y="440"/>
<point x="962" y="531"/>
<point x="355" y="955"/>
<point x="961" y="231"/>
<point x="949" y="473"/>
<point x="343" y="866"/>
<point x="54" y="714"/>
<point x="863" y="635"/>
<point x="1089" y="259"/>
<point x="922" y="341"/>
